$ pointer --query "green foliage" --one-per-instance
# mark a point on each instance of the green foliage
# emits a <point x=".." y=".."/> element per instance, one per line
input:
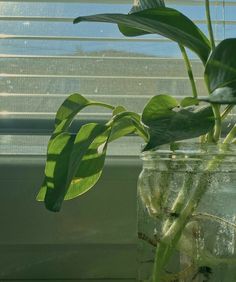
<point x="220" y="73"/>
<point x="221" y="66"/>
<point x="168" y="122"/>
<point x="164" y="21"/>
<point x="75" y="161"/>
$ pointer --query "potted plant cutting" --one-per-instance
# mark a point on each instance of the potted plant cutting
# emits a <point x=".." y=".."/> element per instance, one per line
<point x="177" y="178"/>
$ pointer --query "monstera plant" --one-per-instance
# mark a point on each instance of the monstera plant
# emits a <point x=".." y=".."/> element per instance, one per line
<point x="75" y="162"/>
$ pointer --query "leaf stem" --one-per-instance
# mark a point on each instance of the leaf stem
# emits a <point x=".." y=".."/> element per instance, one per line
<point x="172" y="236"/>
<point x="230" y="137"/>
<point x="189" y="70"/>
<point x="226" y="111"/>
<point x="102" y="105"/>
<point x="214" y="218"/>
<point x="217" y="132"/>
<point x="209" y="25"/>
<point x="180" y="199"/>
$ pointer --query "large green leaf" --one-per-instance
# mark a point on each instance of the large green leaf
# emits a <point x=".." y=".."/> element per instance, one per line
<point x="169" y="123"/>
<point x="220" y="69"/>
<point x="89" y="170"/>
<point x="87" y="159"/>
<point x="65" y="154"/>
<point x="73" y="168"/>
<point x="164" y="21"/>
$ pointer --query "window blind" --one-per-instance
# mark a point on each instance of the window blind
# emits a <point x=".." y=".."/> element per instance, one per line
<point x="44" y="58"/>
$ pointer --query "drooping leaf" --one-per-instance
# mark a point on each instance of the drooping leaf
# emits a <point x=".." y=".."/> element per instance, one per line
<point x="220" y="69"/>
<point x="56" y="170"/>
<point x="77" y="165"/>
<point x="189" y="101"/>
<point x="90" y="168"/>
<point x="169" y="123"/>
<point x="164" y="21"/>
<point x="222" y="95"/>
<point x="70" y="108"/>
<point x="87" y="160"/>
<point x="65" y="154"/>
<point x="84" y="138"/>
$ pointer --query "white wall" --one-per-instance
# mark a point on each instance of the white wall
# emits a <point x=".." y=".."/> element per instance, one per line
<point x="94" y="236"/>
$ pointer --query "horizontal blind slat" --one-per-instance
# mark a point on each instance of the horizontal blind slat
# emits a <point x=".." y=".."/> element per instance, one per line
<point x="92" y="66"/>
<point x="78" y="38"/>
<point x="112" y="2"/>
<point x="105" y="86"/>
<point x="70" y="20"/>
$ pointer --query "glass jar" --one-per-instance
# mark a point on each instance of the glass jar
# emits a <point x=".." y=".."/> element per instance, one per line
<point x="187" y="214"/>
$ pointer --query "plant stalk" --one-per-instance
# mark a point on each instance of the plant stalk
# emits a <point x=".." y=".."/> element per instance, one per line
<point x="227" y="110"/>
<point x="172" y="236"/>
<point x="209" y="25"/>
<point x="217" y="132"/>
<point x="103" y="105"/>
<point x="189" y="70"/>
<point x="231" y="135"/>
<point x="180" y="200"/>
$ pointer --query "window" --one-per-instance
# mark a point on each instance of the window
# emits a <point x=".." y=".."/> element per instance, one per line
<point x="44" y="58"/>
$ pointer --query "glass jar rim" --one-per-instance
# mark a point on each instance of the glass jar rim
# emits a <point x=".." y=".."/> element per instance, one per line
<point x="190" y="149"/>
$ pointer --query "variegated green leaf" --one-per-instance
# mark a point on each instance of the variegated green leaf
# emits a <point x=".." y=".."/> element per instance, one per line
<point x="167" y="122"/>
